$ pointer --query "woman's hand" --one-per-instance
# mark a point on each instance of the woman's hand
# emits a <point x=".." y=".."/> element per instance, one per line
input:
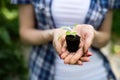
<point x="59" y="39"/>
<point x="60" y="46"/>
<point x="86" y="32"/>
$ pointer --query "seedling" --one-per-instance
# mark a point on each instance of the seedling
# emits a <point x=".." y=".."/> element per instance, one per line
<point x="70" y="33"/>
<point x="72" y="40"/>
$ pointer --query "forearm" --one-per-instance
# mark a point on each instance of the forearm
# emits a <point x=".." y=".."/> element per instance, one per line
<point x="28" y="33"/>
<point x="102" y="36"/>
<point x="100" y="39"/>
<point x="36" y="37"/>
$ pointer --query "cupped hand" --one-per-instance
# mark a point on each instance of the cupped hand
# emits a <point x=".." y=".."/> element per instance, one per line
<point x="77" y="57"/>
<point x="59" y="39"/>
<point x="86" y="32"/>
<point x="82" y="55"/>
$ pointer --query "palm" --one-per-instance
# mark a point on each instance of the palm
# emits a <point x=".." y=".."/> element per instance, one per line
<point x="87" y="35"/>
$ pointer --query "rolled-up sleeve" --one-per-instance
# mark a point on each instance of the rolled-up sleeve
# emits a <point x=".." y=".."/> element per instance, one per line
<point x="20" y="1"/>
<point x="114" y="4"/>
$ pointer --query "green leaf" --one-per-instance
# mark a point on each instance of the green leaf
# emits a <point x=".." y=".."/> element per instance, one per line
<point x="73" y="33"/>
<point x="8" y="14"/>
<point x="4" y="35"/>
<point x="68" y="32"/>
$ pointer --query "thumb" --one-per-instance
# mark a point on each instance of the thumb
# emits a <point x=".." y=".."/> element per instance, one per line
<point x="64" y="46"/>
<point x="87" y="43"/>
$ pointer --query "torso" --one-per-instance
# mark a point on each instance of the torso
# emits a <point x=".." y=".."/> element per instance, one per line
<point x="69" y="13"/>
<point x="42" y="65"/>
<point x="93" y="70"/>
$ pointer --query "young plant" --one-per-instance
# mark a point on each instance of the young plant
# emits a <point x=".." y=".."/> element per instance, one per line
<point x="72" y="41"/>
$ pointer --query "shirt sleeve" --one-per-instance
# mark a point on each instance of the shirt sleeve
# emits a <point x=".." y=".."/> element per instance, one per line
<point x="20" y="1"/>
<point x="114" y="4"/>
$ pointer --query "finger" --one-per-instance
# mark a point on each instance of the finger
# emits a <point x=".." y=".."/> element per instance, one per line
<point x="77" y="56"/>
<point x="89" y="54"/>
<point x="64" y="46"/>
<point x="81" y="43"/>
<point x="67" y="59"/>
<point x="87" y="43"/>
<point x="79" y="62"/>
<point x="84" y="59"/>
<point x="64" y="55"/>
<point x="57" y="46"/>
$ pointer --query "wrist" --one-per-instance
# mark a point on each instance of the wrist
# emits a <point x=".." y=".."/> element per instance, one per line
<point x="95" y="34"/>
<point x="51" y="34"/>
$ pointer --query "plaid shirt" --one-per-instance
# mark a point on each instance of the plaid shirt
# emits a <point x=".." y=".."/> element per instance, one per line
<point x="42" y="57"/>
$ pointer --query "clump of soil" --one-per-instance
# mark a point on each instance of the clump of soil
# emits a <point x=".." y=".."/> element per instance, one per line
<point x="73" y="42"/>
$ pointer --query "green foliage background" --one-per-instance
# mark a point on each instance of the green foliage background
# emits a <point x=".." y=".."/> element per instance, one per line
<point x="116" y="25"/>
<point x="12" y="64"/>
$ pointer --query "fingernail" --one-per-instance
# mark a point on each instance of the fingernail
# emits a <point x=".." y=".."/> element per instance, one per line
<point x="89" y="54"/>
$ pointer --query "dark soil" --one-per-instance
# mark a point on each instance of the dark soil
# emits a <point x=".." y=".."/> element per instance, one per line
<point x="72" y="42"/>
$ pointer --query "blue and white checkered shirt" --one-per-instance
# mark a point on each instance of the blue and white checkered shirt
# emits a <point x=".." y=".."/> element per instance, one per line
<point x="42" y="57"/>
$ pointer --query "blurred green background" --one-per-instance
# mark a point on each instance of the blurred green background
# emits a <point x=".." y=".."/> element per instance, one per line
<point x="12" y="62"/>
